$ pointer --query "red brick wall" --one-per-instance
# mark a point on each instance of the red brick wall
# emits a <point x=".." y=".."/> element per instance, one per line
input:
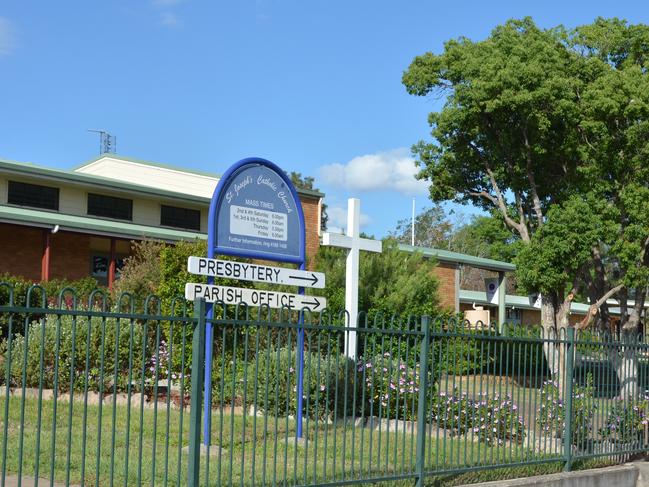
<point x="446" y="275"/>
<point x="21" y="249"/>
<point x="69" y="255"/>
<point x="311" y="220"/>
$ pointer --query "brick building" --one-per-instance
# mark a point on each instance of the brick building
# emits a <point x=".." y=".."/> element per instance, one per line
<point x="76" y="223"/>
<point x="502" y="305"/>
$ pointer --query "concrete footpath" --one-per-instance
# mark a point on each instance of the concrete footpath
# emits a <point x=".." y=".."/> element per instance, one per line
<point x="643" y="473"/>
<point x="635" y="474"/>
<point x="618" y="476"/>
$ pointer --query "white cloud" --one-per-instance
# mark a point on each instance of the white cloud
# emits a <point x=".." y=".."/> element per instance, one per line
<point x="7" y="37"/>
<point x="337" y="222"/>
<point x="166" y="9"/>
<point x="390" y="170"/>
<point x="168" y="19"/>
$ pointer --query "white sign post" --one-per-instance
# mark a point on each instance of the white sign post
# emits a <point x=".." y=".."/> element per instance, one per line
<point x="354" y="243"/>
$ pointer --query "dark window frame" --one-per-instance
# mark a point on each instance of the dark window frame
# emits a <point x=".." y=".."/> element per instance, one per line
<point x="107" y="206"/>
<point x="184" y="218"/>
<point x="33" y="195"/>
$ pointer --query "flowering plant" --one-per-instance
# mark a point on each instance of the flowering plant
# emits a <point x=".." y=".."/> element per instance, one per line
<point x="492" y="419"/>
<point x="329" y="386"/>
<point x="627" y="419"/>
<point x="552" y="414"/>
<point x="392" y="386"/>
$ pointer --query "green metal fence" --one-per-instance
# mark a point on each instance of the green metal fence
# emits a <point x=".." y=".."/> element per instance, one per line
<point x="95" y="392"/>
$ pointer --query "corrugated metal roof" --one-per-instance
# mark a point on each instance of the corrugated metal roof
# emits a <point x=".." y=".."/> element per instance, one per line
<point x="456" y="257"/>
<point x="513" y="301"/>
<point x="304" y="191"/>
<point x="114" y="184"/>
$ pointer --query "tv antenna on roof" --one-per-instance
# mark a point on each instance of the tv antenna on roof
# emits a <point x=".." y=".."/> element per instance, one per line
<point x="107" y="142"/>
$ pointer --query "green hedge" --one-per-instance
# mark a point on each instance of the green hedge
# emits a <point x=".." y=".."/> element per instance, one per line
<point x="49" y="336"/>
<point x="329" y="384"/>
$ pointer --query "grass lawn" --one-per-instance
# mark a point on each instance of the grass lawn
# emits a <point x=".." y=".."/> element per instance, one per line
<point x="255" y="449"/>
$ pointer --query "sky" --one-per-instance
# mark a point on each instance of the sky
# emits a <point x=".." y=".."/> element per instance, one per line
<point x="314" y="86"/>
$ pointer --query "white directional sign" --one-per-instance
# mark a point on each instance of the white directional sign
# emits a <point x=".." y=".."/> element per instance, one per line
<point x="254" y="272"/>
<point x="253" y="297"/>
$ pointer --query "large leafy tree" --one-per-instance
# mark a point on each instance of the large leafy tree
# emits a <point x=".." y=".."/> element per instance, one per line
<point x="432" y="229"/>
<point x="505" y="139"/>
<point x="550" y="129"/>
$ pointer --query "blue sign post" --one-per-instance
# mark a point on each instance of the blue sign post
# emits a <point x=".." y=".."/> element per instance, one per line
<point x="255" y="213"/>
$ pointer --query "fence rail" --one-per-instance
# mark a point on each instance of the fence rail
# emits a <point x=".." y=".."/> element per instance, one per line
<point x="111" y="394"/>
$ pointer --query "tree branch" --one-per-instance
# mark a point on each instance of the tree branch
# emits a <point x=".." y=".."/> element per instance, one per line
<point x="530" y="177"/>
<point x="594" y="308"/>
<point x="484" y="194"/>
<point x="502" y="206"/>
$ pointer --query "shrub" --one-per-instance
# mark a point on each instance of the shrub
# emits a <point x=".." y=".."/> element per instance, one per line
<point x="329" y="384"/>
<point x="499" y="420"/>
<point x="141" y="274"/>
<point x="42" y="339"/>
<point x="20" y="286"/>
<point x="391" y="386"/>
<point x="83" y="287"/>
<point x="453" y="412"/>
<point x="491" y="419"/>
<point x="552" y="414"/>
<point x="467" y="353"/>
<point x="626" y="420"/>
<point x="523" y="358"/>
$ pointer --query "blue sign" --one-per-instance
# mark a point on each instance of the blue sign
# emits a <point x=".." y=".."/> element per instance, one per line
<point x="255" y="212"/>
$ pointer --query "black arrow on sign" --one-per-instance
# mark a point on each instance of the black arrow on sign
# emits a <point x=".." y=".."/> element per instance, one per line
<point x="313" y="278"/>
<point x="315" y="303"/>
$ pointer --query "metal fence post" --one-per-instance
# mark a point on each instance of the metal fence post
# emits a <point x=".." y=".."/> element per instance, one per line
<point x="421" y="409"/>
<point x="197" y="374"/>
<point x="567" y="396"/>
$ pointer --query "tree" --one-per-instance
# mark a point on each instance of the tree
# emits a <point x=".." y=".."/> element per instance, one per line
<point x="615" y="131"/>
<point x="432" y="229"/>
<point x="505" y="139"/>
<point x="536" y="120"/>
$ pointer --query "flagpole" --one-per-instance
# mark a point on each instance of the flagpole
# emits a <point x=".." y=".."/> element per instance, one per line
<point x="412" y="233"/>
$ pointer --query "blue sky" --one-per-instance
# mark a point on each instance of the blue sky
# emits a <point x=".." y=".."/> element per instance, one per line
<point x="314" y="86"/>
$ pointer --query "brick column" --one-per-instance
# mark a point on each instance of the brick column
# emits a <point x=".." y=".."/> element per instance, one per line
<point x="112" y="265"/>
<point x="45" y="258"/>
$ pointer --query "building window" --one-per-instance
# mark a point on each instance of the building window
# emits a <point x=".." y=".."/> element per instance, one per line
<point x="34" y="195"/>
<point x="172" y="216"/>
<point x="99" y="267"/>
<point x="513" y="315"/>
<point x="110" y="207"/>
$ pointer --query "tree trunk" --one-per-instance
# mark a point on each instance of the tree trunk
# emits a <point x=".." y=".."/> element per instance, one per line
<point x="625" y="357"/>
<point x="549" y="333"/>
<point x="555" y="321"/>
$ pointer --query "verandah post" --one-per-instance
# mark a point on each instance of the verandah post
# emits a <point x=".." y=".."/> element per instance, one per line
<point x="421" y="407"/>
<point x="567" y="395"/>
<point x="197" y="375"/>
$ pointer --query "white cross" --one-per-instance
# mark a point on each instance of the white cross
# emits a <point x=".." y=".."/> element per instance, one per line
<point x="354" y="243"/>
